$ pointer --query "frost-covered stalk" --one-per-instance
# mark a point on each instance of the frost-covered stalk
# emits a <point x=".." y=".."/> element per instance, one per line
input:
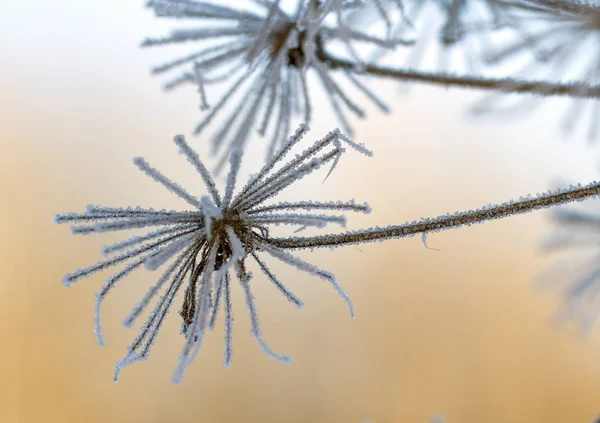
<point x="502" y="85"/>
<point x="448" y="221"/>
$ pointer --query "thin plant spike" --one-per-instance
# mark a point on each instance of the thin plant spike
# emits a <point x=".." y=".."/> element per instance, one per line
<point x="289" y="295"/>
<point x="139" y="308"/>
<point x="235" y="158"/>
<point x="251" y="188"/>
<point x="244" y="279"/>
<point x="194" y="159"/>
<point x="217" y="301"/>
<point x="292" y="140"/>
<point x="150" y="330"/>
<point x="227" y="349"/>
<point x="311" y="269"/>
<point x="110" y="283"/>
<point x="170" y="185"/>
<point x="196" y="330"/>
<point x="200" y="83"/>
<point x="131" y="242"/>
<point x="88" y="271"/>
<point x="169" y="251"/>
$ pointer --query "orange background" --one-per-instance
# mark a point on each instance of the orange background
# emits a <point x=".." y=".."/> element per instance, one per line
<point x="460" y="332"/>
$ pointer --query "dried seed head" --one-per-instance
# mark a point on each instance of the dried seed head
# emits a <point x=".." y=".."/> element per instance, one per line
<point x="264" y="59"/>
<point x="210" y="242"/>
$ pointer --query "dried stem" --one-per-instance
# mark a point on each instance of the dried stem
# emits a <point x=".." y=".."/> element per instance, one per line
<point x="504" y="85"/>
<point x="490" y="212"/>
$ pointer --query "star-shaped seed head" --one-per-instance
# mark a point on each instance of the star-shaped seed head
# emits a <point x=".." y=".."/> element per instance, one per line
<point x="209" y="246"/>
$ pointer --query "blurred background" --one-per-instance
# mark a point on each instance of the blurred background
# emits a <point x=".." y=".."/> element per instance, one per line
<point x="465" y="332"/>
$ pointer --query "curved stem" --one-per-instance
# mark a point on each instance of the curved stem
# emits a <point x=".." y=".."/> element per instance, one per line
<point x="504" y="85"/>
<point x="448" y="221"/>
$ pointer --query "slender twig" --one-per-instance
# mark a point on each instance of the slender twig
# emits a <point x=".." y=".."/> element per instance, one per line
<point x="504" y="85"/>
<point x="489" y="212"/>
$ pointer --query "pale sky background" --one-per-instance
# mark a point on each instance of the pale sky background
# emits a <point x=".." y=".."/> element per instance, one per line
<point x="461" y="332"/>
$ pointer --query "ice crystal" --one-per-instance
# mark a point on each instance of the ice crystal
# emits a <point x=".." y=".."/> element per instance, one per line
<point x="210" y="243"/>
<point x="264" y="58"/>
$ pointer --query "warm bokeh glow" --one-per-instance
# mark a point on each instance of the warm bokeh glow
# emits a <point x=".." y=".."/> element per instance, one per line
<point x="460" y="332"/>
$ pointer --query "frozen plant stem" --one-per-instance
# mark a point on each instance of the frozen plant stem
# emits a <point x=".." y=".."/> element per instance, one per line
<point x="504" y="85"/>
<point x="490" y="212"/>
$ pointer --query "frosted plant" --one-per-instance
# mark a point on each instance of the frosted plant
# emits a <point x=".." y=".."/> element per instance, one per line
<point x="561" y="39"/>
<point x="212" y="242"/>
<point x="264" y="59"/>
<point x="579" y="228"/>
<point x="264" y="56"/>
